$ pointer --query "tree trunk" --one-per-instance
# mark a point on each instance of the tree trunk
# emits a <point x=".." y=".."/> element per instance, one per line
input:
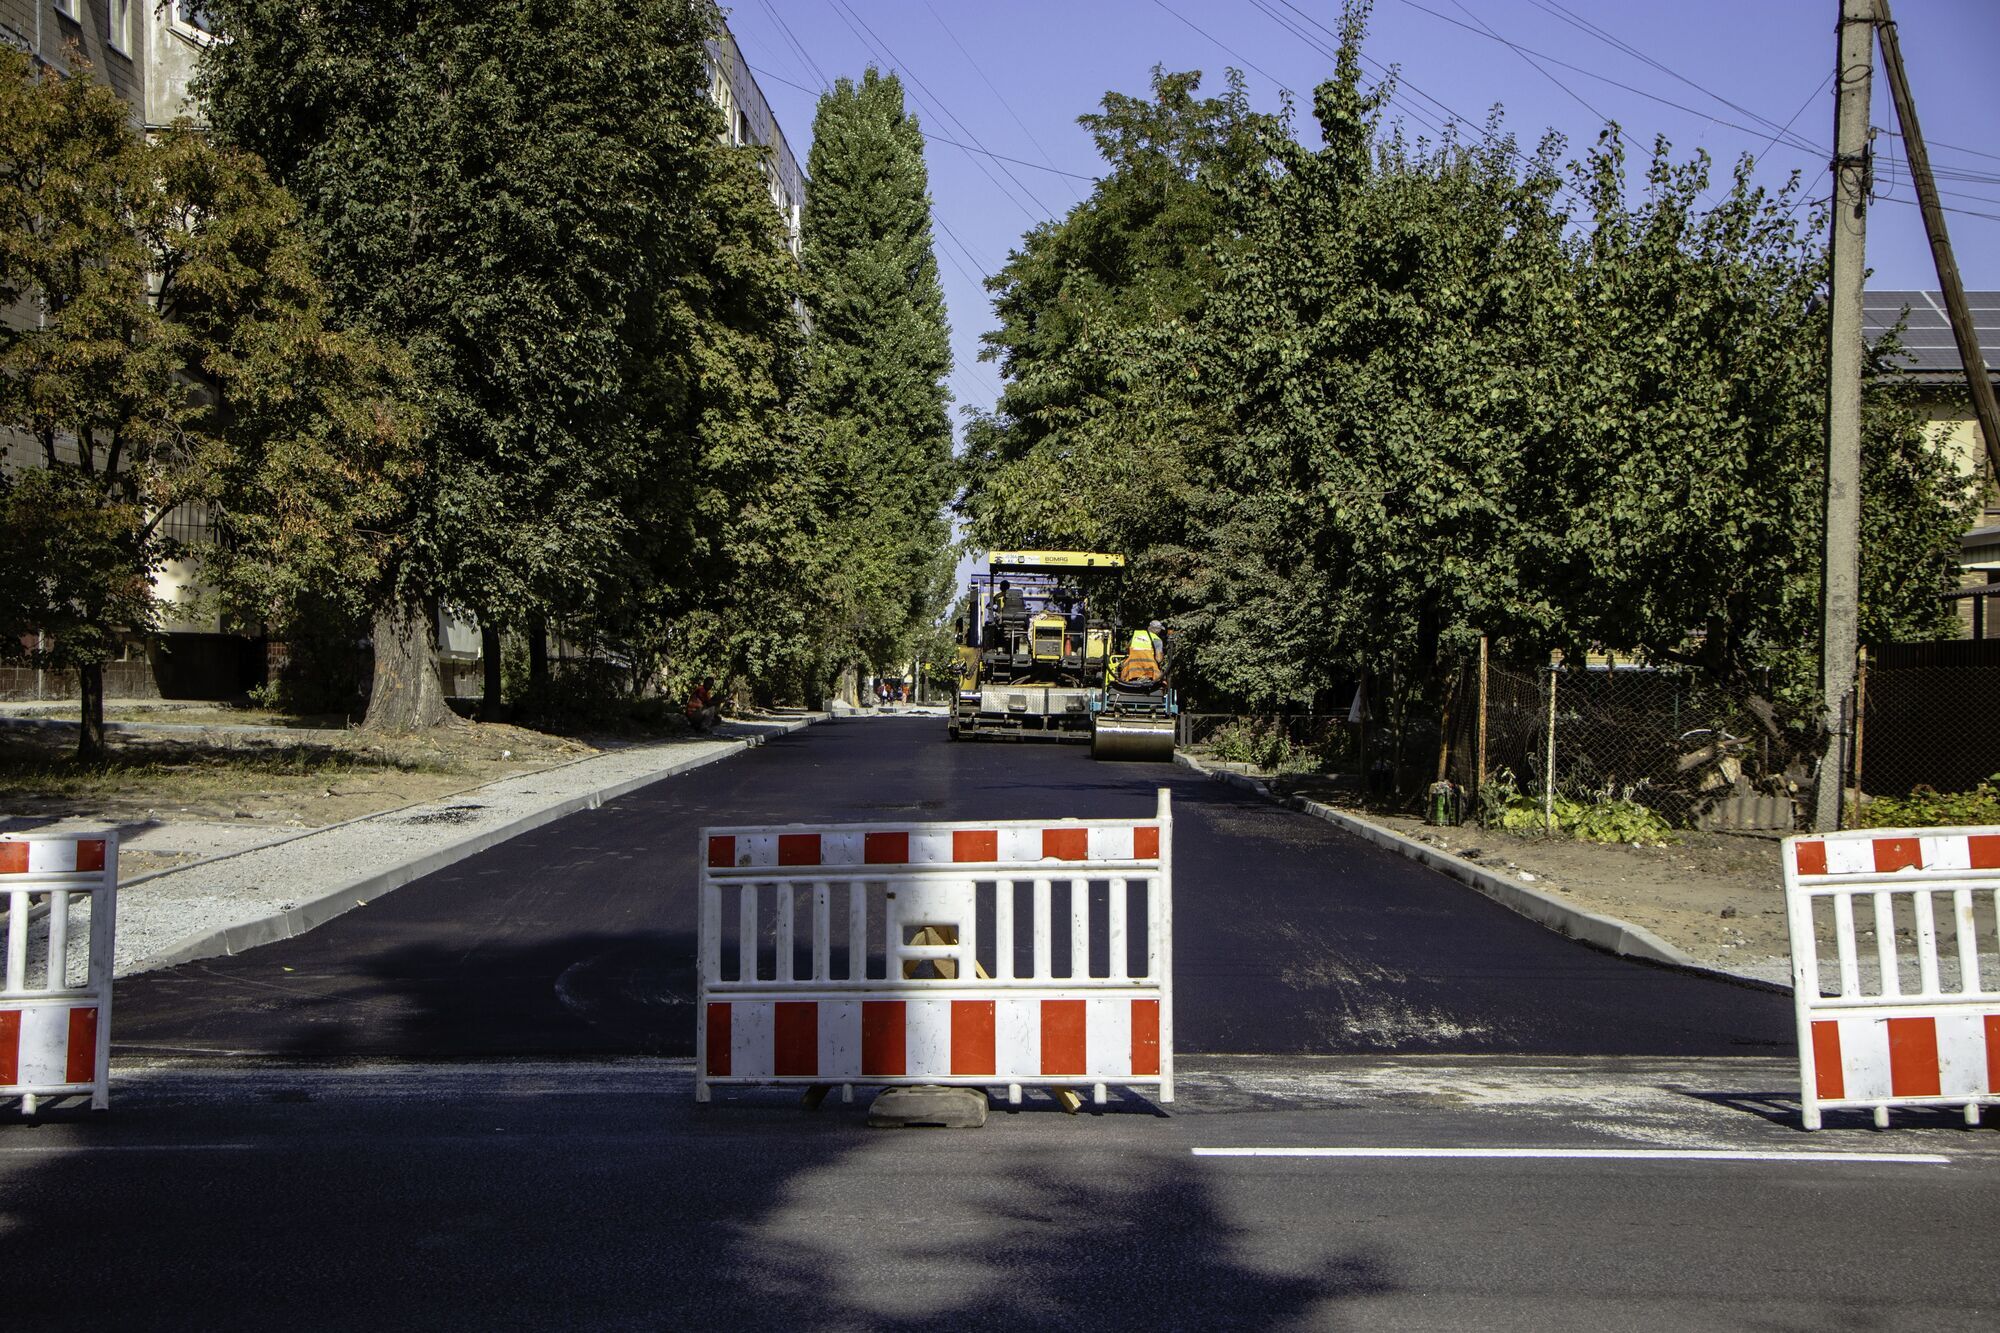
<point x="538" y="658"/>
<point x="90" y="734"/>
<point x="492" y="707"/>
<point x="408" y="694"/>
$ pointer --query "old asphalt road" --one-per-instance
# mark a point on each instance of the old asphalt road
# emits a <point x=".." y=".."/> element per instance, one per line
<point x="297" y="1139"/>
<point x="1290" y="938"/>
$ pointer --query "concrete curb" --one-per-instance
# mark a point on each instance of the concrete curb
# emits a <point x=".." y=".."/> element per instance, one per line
<point x="1603" y="932"/>
<point x="302" y="917"/>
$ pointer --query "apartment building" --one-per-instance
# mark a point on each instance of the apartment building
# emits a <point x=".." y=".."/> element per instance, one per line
<point x="747" y="119"/>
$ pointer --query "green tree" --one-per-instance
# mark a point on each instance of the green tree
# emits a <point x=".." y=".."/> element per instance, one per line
<point x="726" y="525"/>
<point x="90" y="378"/>
<point x="1418" y="391"/>
<point x="1093" y="440"/>
<point x="878" y="357"/>
<point x="177" y="361"/>
<point x="506" y="189"/>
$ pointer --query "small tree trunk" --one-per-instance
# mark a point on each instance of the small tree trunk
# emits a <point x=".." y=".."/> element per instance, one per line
<point x="90" y="690"/>
<point x="408" y="694"/>
<point x="538" y="657"/>
<point x="491" y="706"/>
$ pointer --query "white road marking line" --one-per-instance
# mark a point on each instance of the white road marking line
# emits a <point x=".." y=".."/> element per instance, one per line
<point x="72" y="1149"/>
<point x="1589" y="1154"/>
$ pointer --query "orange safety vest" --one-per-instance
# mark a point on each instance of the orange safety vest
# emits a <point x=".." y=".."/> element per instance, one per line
<point x="1142" y="660"/>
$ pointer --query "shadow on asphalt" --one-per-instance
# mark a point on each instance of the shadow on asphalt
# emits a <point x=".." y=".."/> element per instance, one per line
<point x="550" y="1211"/>
<point x="583" y="994"/>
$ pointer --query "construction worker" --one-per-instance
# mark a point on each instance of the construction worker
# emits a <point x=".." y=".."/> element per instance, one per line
<point x="1145" y="664"/>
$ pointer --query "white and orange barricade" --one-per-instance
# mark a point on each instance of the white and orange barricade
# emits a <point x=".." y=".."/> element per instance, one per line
<point x="55" y="1008"/>
<point x="982" y="954"/>
<point x="1903" y="1010"/>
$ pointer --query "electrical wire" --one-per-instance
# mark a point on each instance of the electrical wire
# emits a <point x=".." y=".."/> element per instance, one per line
<point x="1557" y="10"/>
<point x="1538" y="67"/>
<point x="933" y="136"/>
<point x="804" y="54"/>
<point x="1008" y="106"/>
<point x="1387" y="72"/>
<point x="916" y="78"/>
<point x="1227" y="50"/>
<point x="917" y="96"/>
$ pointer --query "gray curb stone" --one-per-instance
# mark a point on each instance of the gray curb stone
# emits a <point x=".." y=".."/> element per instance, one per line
<point x="1603" y="932"/>
<point x="323" y="906"/>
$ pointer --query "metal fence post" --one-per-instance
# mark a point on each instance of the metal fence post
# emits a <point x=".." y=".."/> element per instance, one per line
<point x="1479" y="771"/>
<point x="1860" y="721"/>
<point x="1549" y="765"/>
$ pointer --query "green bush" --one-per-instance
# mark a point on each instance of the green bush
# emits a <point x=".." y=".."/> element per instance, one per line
<point x="1261" y="744"/>
<point x="1503" y="805"/>
<point x="1927" y="808"/>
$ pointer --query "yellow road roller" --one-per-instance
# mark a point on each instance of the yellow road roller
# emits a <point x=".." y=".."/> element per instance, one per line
<point x="1037" y="661"/>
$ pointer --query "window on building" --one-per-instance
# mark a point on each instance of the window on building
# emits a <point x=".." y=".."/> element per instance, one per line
<point x="69" y="9"/>
<point x="193" y="14"/>
<point x="121" y="26"/>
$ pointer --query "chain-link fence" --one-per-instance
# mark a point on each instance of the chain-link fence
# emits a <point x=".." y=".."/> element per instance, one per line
<point x="1612" y="737"/>
<point x="1927" y="716"/>
<point x="1691" y="751"/>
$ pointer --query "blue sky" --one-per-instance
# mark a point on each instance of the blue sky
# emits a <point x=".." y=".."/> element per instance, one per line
<point x="1012" y="76"/>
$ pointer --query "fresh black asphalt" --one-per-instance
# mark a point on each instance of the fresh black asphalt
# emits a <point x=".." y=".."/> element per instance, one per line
<point x="1290" y="936"/>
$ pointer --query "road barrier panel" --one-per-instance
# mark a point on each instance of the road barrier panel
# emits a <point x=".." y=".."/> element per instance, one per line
<point x="55" y="1007"/>
<point x="1020" y="954"/>
<point x="1917" y="1023"/>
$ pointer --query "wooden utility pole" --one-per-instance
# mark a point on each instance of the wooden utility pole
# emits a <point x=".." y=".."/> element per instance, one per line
<point x="1984" y="407"/>
<point x="1840" y="568"/>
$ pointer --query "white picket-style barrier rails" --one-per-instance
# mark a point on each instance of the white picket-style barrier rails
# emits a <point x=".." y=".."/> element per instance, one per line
<point x="1910" y="1021"/>
<point x="1024" y="953"/>
<point x="55" y="1010"/>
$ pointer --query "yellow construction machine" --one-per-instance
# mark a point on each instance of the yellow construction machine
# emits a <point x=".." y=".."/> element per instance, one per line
<point x="1035" y="660"/>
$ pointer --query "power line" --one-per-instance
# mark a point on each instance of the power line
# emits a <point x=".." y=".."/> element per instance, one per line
<point x="1401" y="82"/>
<point x="1561" y="11"/>
<point x="1790" y="140"/>
<point x="934" y="137"/>
<point x="798" y="46"/>
<point x="876" y="54"/>
<point x="938" y="102"/>
<point x="1226" y="49"/>
<point x="1002" y="99"/>
<point x="1574" y="95"/>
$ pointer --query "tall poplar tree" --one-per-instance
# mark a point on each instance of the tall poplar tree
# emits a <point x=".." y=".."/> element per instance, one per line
<point x="878" y="358"/>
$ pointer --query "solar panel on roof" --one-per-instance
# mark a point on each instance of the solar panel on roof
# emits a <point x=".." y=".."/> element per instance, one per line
<point x="1928" y="344"/>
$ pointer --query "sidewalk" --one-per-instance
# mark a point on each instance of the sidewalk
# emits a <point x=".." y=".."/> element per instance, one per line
<point x="241" y="898"/>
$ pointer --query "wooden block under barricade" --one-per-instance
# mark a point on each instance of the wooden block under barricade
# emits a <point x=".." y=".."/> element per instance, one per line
<point x="973" y="954"/>
<point x="1892" y="1005"/>
<point x="61" y="899"/>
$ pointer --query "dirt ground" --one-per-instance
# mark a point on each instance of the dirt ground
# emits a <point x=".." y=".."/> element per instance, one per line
<point x="1719" y="897"/>
<point x="247" y="776"/>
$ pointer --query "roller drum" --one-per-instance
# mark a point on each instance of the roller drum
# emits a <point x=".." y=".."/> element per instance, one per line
<point x="1132" y="739"/>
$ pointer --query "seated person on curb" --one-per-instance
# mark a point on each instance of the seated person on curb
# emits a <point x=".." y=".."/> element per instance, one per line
<point x="702" y="710"/>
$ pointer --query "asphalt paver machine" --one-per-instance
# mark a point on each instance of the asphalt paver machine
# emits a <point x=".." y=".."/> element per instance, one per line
<point x="1038" y="661"/>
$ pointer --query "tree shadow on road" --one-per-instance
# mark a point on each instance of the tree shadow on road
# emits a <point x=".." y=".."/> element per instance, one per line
<point x="586" y="994"/>
<point x="507" y="1196"/>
